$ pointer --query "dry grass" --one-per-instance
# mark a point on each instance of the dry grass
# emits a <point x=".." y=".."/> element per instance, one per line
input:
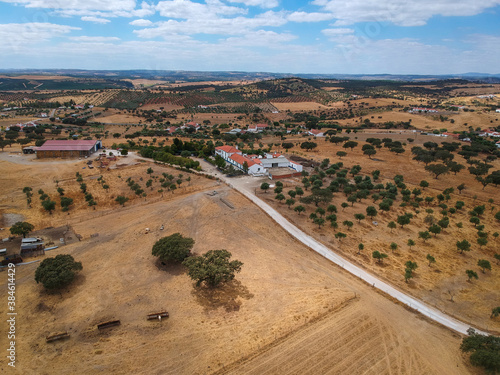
<point x="473" y="301"/>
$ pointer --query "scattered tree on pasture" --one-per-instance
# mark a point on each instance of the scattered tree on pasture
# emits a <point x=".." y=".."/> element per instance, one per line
<point x="173" y="248"/>
<point x="212" y="268"/>
<point x="58" y="272"/>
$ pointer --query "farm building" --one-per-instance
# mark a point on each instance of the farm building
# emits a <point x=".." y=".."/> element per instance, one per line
<point x="254" y="165"/>
<point x="257" y="165"/>
<point x="67" y="149"/>
<point x="32" y="246"/>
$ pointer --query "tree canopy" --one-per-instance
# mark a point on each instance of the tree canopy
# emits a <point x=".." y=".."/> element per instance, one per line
<point x="212" y="268"/>
<point x="484" y="351"/>
<point x="173" y="248"/>
<point x="58" y="272"/>
<point x="22" y="227"/>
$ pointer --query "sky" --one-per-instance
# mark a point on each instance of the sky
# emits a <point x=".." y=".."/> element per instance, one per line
<point x="280" y="36"/>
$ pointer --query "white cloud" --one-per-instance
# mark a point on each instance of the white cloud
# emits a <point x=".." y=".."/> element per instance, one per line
<point x="309" y="17"/>
<point x="400" y="12"/>
<point x="258" y="3"/>
<point x="94" y="39"/>
<point x="334" y="32"/>
<point x="141" y="23"/>
<point x="95" y="19"/>
<point x="19" y="34"/>
<point x="260" y="38"/>
<point x="213" y="25"/>
<point x="186" y="9"/>
<point x="95" y="8"/>
<point x="109" y="5"/>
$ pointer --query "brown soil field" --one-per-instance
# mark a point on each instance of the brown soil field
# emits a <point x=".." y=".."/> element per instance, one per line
<point x="428" y="122"/>
<point x="144" y="82"/>
<point x="165" y="106"/>
<point x="118" y="119"/>
<point x="300" y="106"/>
<point x="288" y="311"/>
<point x="472" y="301"/>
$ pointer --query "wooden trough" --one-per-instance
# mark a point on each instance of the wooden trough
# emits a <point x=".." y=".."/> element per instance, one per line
<point x="57" y="336"/>
<point x="158" y="316"/>
<point x="108" y="324"/>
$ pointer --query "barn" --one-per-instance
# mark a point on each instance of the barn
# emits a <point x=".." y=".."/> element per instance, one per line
<point x="67" y="149"/>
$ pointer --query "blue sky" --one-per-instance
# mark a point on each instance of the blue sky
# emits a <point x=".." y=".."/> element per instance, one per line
<point x="319" y="36"/>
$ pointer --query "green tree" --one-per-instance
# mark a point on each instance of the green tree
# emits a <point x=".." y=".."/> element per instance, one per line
<point x="280" y="197"/>
<point x="463" y="246"/>
<point x="393" y="246"/>
<point x="370" y="152"/>
<point x="299" y="209"/>
<point x="264" y="186"/>
<point x="359" y="217"/>
<point x="340" y="235"/>
<point x="319" y="221"/>
<point x="371" y="211"/>
<point x="379" y="256"/>
<point x="121" y="200"/>
<point x="290" y="202"/>
<point x="392" y="225"/>
<point x="435" y="229"/>
<point x="484" y="351"/>
<point x="348" y="224"/>
<point x="497" y="257"/>
<point x="360" y="248"/>
<point x="60" y="190"/>
<point x="403" y="220"/>
<point x="431" y="259"/>
<point x="471" y="275"/>
<point x="49" y="205"/>
<point x="424" y="184"/>
<point x="341" y="154"/>
<point x="212" y="268"/>
<point x="424" y="235"/>
<point x="65" y="203"/>
<point x="437" y="169"/>
<point x="495" y="312"/>
<point x="484" y="264"/>
<point x="410" y="243"/>
<point x="21" y="227"/>
<point x="482" y="241"/>
<point x="58" y="272"/>
<point x="173" y="248"/>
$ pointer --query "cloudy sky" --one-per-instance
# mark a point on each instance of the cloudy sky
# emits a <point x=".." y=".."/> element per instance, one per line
<point x="287" y="36"/>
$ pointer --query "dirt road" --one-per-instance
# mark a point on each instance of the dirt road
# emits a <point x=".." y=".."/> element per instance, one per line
<point x="244" y="186"/>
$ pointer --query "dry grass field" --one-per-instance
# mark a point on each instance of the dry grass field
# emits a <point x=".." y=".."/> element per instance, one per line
<point x="472" y="301"/>
<point x="288" y="311"/>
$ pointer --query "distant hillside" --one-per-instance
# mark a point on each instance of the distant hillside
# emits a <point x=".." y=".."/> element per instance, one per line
<point x="112" y="77"/>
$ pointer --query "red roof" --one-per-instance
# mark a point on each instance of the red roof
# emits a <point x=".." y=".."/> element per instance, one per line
<point x="315" y="131"/>
<point x="240" y="159"/>
<point x="228" y="149"/>
<point x="64" y="145"/>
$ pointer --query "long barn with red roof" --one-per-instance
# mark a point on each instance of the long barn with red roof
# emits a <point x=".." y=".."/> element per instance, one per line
<point x="67" y="149"/>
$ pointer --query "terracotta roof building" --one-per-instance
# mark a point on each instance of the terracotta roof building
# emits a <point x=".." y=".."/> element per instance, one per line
<point x="67" y="149"/>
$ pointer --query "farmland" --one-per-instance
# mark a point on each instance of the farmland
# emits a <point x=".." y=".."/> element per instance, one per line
<point x="434" y="172"/>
